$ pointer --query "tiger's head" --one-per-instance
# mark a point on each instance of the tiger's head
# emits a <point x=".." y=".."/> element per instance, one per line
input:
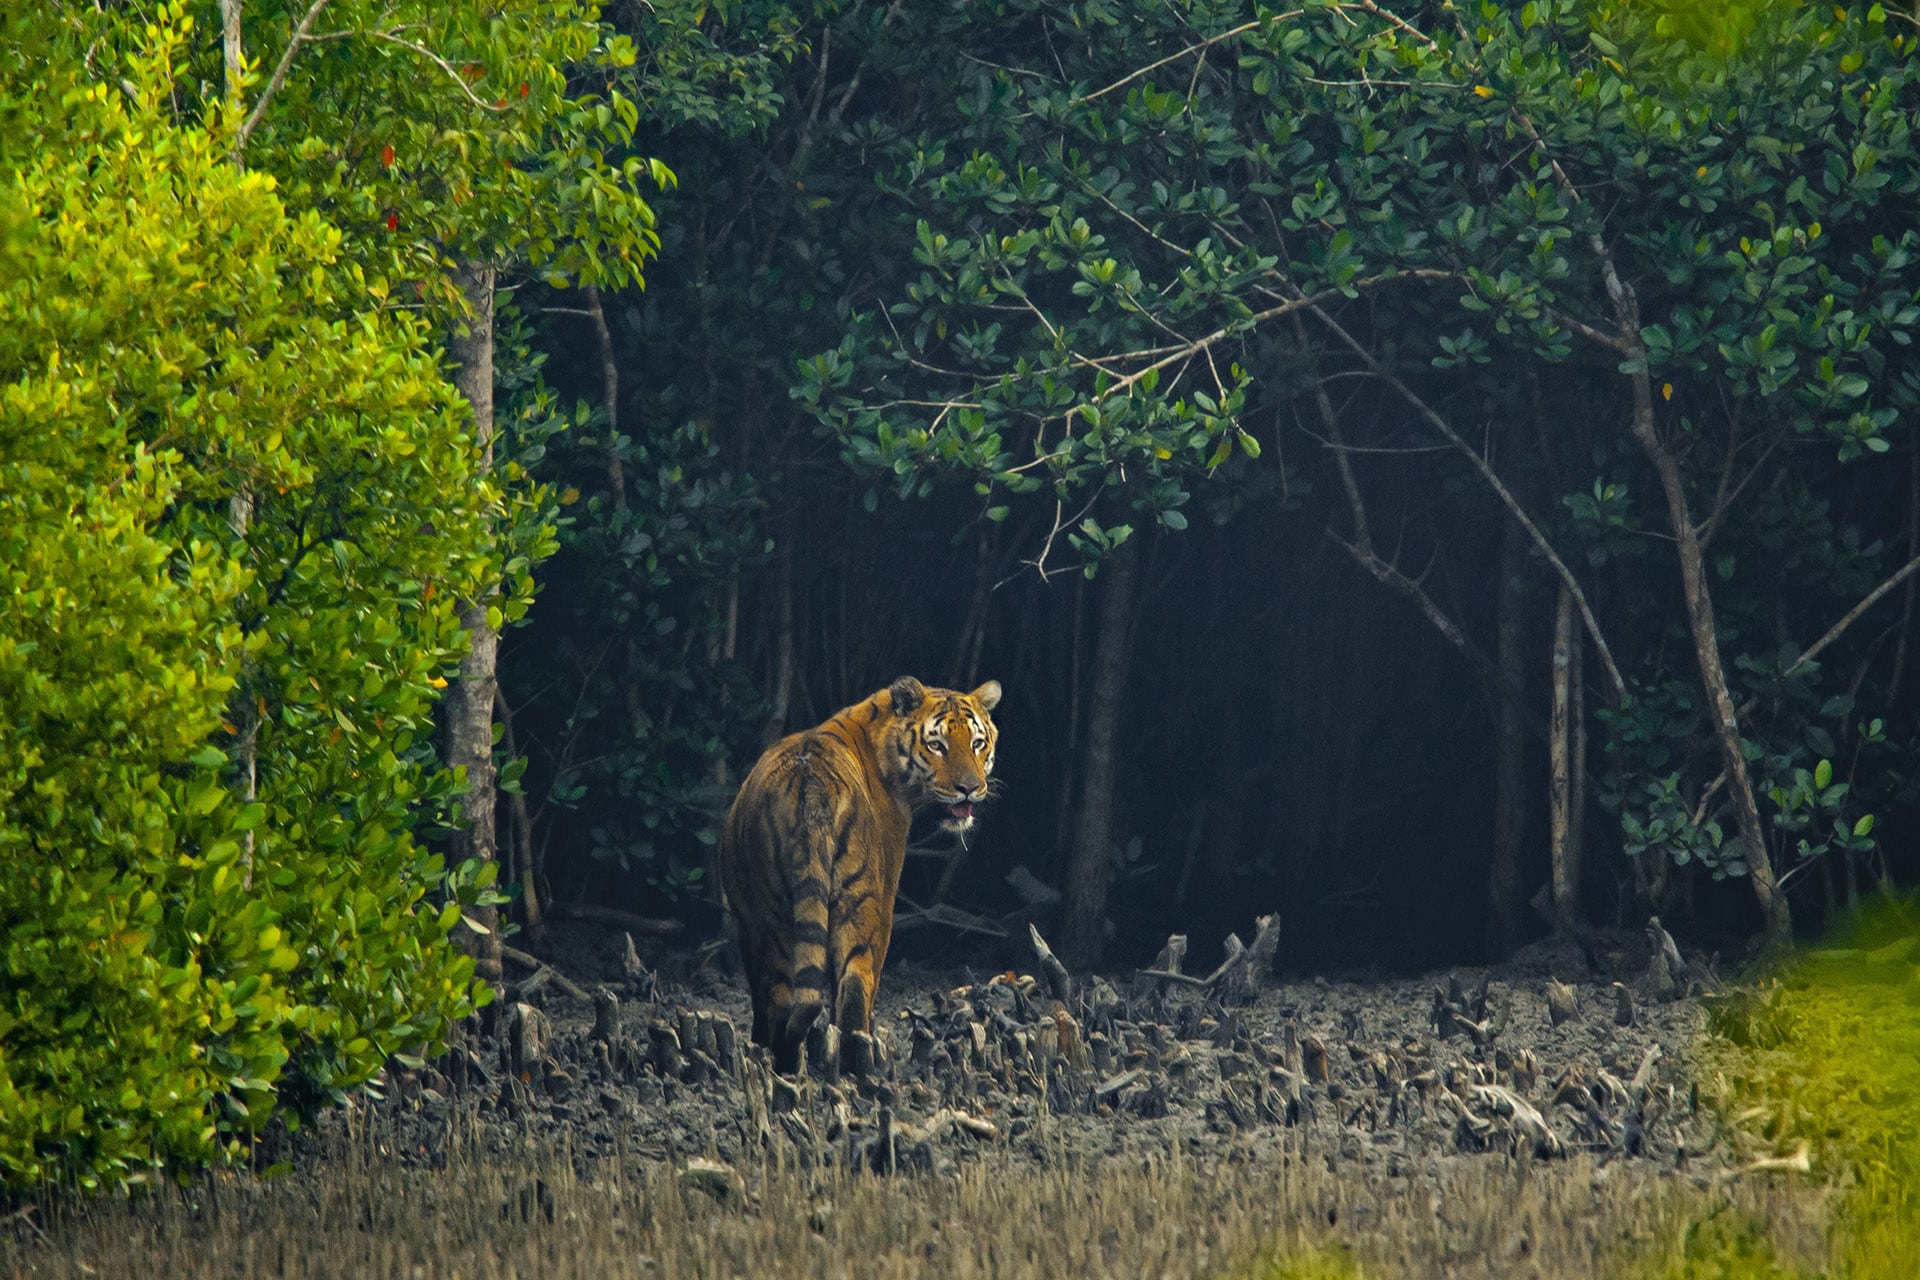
<point x="939" y="745"/>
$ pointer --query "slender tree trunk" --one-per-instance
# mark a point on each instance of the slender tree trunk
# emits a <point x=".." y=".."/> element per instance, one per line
<point x="783" y="656"/>
<point x="1577" y="780"/>
<point x="232" y="52"/>
<point x="1506" y="895"/>
<point x="1090" y="865"/>
<point x="1906" y="610"/>
<point x="469" y="715"/>
<point x="964" y="667"/>
<point x="246" y="705"/>
<point x="532" y="913"/>
<point x="1063" y="824"/>
<point x="1563" y="822"/>
<point x="1706" y="648"/>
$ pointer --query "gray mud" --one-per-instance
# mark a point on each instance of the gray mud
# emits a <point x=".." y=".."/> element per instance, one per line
<point x="1438" y="1125"/>
<point x="1405" y="1076"/>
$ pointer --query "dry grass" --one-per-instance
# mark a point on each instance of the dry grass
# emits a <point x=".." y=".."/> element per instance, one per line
<point x="492" y="1215"/>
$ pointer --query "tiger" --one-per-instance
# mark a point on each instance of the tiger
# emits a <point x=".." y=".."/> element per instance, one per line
<point x="811" y="852"/>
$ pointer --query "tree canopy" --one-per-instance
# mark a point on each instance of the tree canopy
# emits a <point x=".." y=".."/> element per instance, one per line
<point x="1396" y="456"/>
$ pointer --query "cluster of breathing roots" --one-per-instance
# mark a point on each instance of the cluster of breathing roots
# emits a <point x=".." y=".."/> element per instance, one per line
<point x="996" y="1060"/>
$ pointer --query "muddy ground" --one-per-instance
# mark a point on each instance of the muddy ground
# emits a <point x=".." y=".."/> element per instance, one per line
<point x="1405" y="1075"/>
<point x="1016" y="1123"/>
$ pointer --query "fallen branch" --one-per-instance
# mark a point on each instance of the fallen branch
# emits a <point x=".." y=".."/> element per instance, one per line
<point x="543" y="973"/>
<point x="1799" y="1162"/>
<point x="946" y="916"/>
<point x="1239" y="955"/>
<point x="943" y="1120"/>
<point x="649" y="926"/>
<point x="1523" y="1117"/>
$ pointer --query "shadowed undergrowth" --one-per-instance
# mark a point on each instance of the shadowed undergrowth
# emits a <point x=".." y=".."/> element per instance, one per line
<point x="496" y="1214"/>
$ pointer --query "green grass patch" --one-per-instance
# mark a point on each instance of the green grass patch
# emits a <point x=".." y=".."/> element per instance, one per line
<point x="1824" y="1058"/>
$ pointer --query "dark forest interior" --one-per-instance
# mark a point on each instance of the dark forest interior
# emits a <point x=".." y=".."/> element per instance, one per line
<point x="1334" y="665"/>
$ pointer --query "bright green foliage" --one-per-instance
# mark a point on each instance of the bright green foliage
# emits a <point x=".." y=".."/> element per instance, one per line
<point x="434" y="134"/>
<point x="177" y="966"/>
<point x="439" y="137"/>
<point x="1828" y="1054"/>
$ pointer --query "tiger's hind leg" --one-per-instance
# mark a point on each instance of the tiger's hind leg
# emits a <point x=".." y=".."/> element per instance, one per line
<point x="853" y="1006"/>
<point x="769" y="994"/>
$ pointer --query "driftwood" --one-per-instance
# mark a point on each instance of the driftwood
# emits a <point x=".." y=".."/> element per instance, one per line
<point x="945" y="916"/>
<point x="1455" y="1011"/>
<point x="1243" y="981"/>
<point x="1668" y="971"/>
<point x="1799" y="1162"/>
<point x="1245" y="965"/>
<point x="1032" y="890"/>
<point x="647" y="926"/>
<point x="643" y="982"/>
<point x="543" y="973"/>
<point x="1522" y="1117"/>
<point x="1111" y="1088"/>
<point x="943" y="1121"/>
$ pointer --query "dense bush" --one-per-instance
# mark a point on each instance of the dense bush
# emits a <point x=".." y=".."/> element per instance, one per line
<point x="236" y="510"/>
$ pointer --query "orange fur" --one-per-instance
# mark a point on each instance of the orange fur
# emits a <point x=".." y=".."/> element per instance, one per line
<point x="811" y="854"/>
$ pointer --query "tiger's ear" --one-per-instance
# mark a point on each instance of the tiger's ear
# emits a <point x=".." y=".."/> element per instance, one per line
<point x="905" y="695"/>
<point x="987" y="695"/>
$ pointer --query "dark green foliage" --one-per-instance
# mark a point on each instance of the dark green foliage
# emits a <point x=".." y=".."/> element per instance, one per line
<point x="1116" y="216"/>
<point x="1047" y="272"/>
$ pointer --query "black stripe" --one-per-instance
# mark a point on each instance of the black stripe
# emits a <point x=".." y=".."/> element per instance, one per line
<point x="852" y="879"/>
<point x="841" y="838"/>
<point x="805" y="932"/>
<point x="854" y="952"/>
<point x="811" y="977"/>
<point x="848" y="903"/>
<point x="809" y="889"/>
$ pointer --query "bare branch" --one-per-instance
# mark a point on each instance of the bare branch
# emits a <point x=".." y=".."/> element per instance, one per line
<point x="415" y="46"/>
<point x="1852" y="615"/>
<point x="1487" y="473"/>
<point x="1368" y="6"/>
<point x="1208" y="43"/>
<point x="279" y="76"/>
<point x="1301" y="301"/>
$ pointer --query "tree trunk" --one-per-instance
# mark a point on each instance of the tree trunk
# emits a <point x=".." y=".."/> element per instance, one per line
<point x="1577" y="777"/>
<point x="469" y="717"/>
<point x="964" y="667"/>
<point x="1506" y="895"/>
<point x="781" y="705"/>
<point x="532" y="914"/>
<point x="1563" y="838"/>
<point x="1090" y="866"/>
<point x="1706" y="648"/>
<point x="1063" y="825"/>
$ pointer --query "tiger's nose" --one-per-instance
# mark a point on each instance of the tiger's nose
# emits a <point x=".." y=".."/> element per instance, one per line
<point x="971" y="791"/>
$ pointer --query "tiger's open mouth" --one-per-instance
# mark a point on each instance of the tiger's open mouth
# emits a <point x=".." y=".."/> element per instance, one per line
<point x="961" y="811"/>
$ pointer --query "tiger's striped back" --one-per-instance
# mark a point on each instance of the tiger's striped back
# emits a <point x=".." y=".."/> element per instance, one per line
<point x="811" y="854"/>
